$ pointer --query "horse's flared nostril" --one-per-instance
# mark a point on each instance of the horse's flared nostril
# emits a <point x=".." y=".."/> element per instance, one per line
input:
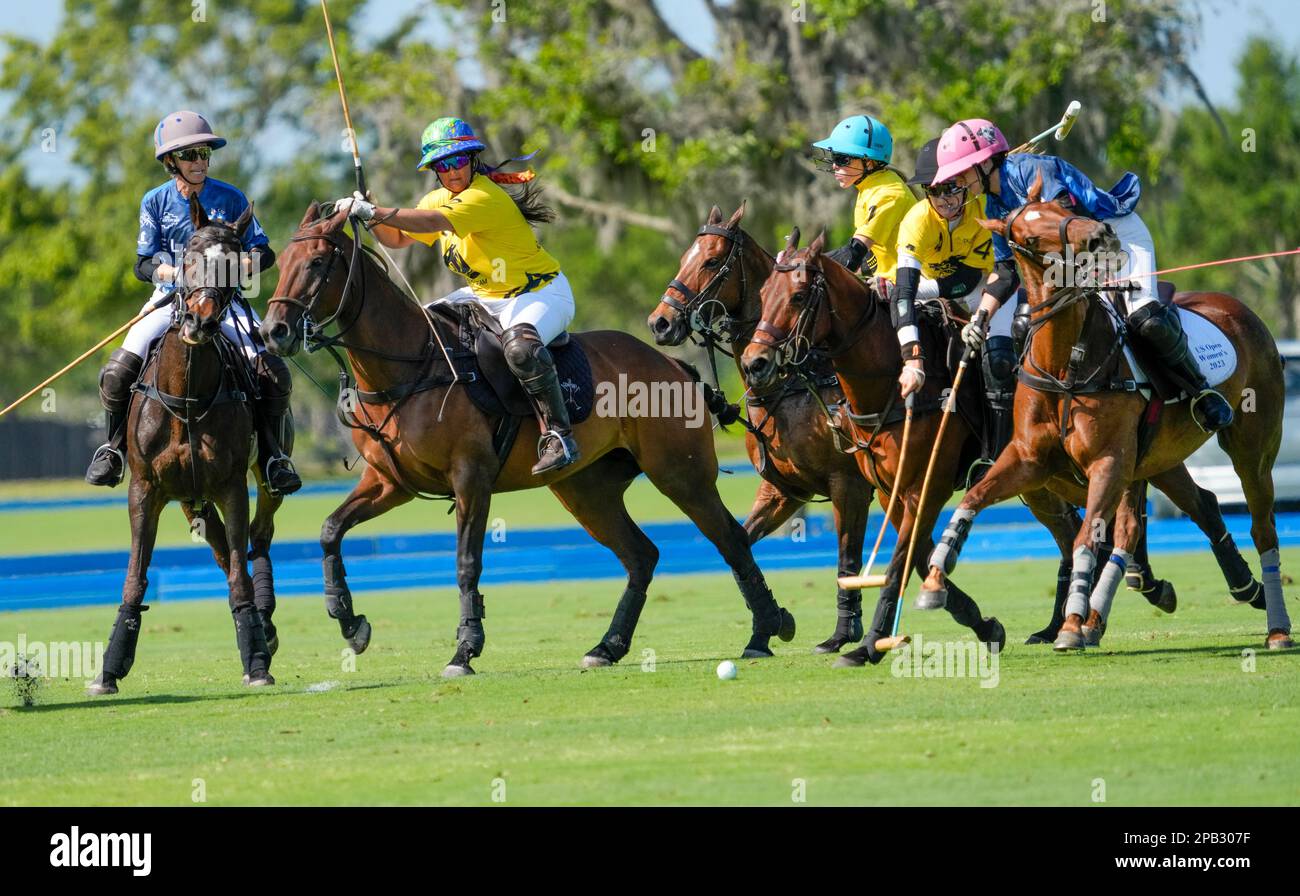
<point x="660" y="325"/>
<point x="277" y="332"/>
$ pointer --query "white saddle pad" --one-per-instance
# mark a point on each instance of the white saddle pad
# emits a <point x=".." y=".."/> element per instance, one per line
<point x="1214" y="353"/>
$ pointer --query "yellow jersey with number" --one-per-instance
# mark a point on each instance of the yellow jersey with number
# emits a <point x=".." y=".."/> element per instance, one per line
<point x="491" y="244"/>
<point x="883" y="200"/>
<point x="927" y="237"/>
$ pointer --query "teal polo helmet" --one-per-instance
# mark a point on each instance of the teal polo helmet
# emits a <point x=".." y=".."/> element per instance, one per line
<point x="861" y="137"/>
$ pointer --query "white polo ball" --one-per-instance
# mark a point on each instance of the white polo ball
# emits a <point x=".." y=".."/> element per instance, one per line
<point x="726" y="670"/>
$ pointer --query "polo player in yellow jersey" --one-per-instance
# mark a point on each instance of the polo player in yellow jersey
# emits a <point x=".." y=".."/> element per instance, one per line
<point x="486" y="237"/>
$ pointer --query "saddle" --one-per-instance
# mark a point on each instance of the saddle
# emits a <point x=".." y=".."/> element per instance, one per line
<point x="480" y="364"/>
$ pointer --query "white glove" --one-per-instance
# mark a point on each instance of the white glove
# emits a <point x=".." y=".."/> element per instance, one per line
<point x="910" y="380"/>
<point x="356" y="204"/>
<point x="973" y="333"/>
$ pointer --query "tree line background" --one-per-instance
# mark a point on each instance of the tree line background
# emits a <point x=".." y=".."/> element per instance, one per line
<point x="639" y="135"/>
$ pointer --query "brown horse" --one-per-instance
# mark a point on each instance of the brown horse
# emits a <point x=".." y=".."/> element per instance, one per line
<point x="433" y="438"/>
<point x="1069" y="425"/>
<point x="716" y="295"/>
<point x="191" y="439"/>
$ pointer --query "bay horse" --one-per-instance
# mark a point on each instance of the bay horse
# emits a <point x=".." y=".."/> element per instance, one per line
<point x="715" y="295"/>
<point x="191" y="438"/>
<point x="419" y="433"/>
<point x="806" y="302"/>
<point x="1077" y="418"/>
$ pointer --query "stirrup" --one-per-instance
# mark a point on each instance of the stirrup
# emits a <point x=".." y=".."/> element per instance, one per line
<point x="103" y="452"/>
<point x="568" y="448"/>
<point x="282" y="462"/>
<point x="1196" y="417"/>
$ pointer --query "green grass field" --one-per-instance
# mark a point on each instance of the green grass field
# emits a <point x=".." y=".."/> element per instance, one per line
<point x="1168" y="712"/>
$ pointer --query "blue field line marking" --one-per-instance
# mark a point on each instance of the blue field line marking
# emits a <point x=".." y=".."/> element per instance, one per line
<point x="534" y="555"/>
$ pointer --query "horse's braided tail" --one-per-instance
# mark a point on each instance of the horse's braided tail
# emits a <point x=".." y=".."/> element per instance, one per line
<point x="726" y="412"/>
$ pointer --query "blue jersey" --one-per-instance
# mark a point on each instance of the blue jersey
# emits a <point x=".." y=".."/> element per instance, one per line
<point x="1060" y="179"/>
<point x="165" y="225"/>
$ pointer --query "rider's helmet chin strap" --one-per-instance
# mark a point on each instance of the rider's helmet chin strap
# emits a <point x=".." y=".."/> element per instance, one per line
<point x="867" y="171"/>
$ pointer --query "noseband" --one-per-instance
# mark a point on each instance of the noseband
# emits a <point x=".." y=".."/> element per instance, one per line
<point x="718" y="323"/>
<point x="792" y="349"/>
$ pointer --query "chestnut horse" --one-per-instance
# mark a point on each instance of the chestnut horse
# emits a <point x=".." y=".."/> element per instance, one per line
<point x="190" y="438"/>
<point x="1067" y="425"/>
<point x="421" y="432"/>
<point x="789" y="439"/>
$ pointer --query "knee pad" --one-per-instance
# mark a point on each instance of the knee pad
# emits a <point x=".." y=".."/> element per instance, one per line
<point x="1158" y="325"/>
<point x="999" y="362"/>
<point x="116" y="379"/>
<point x="1020" y="328"/>
<point x="524" y="351"/>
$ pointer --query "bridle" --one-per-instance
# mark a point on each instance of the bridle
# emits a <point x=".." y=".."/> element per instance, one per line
<point x="793" y="348"/>
<point x="717" y="325"/>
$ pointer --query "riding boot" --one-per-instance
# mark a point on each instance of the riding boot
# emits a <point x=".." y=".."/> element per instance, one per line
<point x="1000" y="391"/>
<point x="275" y="425"/>
<point x="115" y="381"/>
<point x="531" y="362"/>
<point x="1160" y="329"/>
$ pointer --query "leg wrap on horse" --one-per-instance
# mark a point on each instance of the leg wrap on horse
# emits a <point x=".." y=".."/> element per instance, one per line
<point x="263" y="582"/>
<point x="338" y="599"/>
<point x="1270" y="563"/>
<point x="119" y="655"/>
<point x="1236" y="572"/>
<point x="759" y="599"/>
<point x="1112" y="572"/>
<point x="848" y="610"/>
<point x="963" y="609"/>
<point x="1085" y="562"/>
<point x="618" y="640"/>
<point x="251" y="638"/>
<point x="954" y="536"/>
<point x="469" y="635"/>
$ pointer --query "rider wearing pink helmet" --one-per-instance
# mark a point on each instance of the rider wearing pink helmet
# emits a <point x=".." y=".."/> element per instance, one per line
<point x="974" y="153"/>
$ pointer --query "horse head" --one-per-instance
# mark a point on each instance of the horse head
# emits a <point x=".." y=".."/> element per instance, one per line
<point x="211" y="273"/>
<point x="796" y="312"/>
<point x="709" y="288"/>
<point x="314" y="270"/>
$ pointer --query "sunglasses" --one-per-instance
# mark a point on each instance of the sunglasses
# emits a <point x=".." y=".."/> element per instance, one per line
<point x="194" y="153"/>
<point x="451" y="163"/>
<point x="945" y="190"/>
<point x="839" y="160"/>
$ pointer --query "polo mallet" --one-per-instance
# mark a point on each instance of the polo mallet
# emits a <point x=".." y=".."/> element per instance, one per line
<point x="1060" y="129"/>
<point x="949" y="407"/>
<point x="96" y="347"/>
<point x="865" y="579"/>
<point x="343" y="97"/>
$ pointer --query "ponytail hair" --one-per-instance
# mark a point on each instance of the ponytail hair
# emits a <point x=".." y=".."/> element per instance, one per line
<point x="528" y="198"/>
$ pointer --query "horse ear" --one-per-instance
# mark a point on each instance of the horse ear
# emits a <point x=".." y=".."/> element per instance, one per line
<point x="198" y="217"/>
<point x="715" y="216"/>
<point x="792" y="241"/>
<point x="1036" y="190"/>
<point x="815" y="250"/>
<point x="242" y="222"/>
<point x="997" y="225"/>
<point x="313" y="212"/>
<point x="336" y="222"/>
<point x="740" y="213"/>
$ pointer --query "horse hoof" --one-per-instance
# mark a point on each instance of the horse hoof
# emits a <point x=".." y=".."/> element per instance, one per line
<point x="1167" y="599"/>
<point x="787" y="629"/>
<point x="451" y="670"/>
<point x="260" y="681"/>
<point x="360" y="638"/>
<point x="833" y="644"/>
<point x="1277" y="640"/>
<point x="854" y="659"/>
<point x="1092" y="636"/>
<point x="1066" y="641"/>
<point x="931" y="600"/>
<point x="995" y="634"/>
<point x="1042" y="636"/>
<point x="593" y="661"/>
<point x="98" y="688"/>
<point x="756" y="653"/>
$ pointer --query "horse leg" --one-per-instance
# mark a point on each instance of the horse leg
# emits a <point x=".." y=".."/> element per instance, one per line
<point x="260" y="532"/>
<point x="146" y="505"/>
<point x="1203" y="507"/>
<point x="1107" y="483"/>
<point x="696" y="494"/>
<point x="1010" y="475"/>
<point x="1255" y="470"/>
<point x="472" y="484"/>
<point x="250" y="634"/>
<point x="1062" y="520"/>
<point x="372" y="496"/>
<point x="594" y="496"/>
<point x="1126" y="533"/>
<point x="1160" y="593"/>
<point x="851" y="503"/>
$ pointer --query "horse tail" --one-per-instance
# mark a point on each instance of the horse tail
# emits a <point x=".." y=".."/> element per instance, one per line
<point x="726" y="412"/>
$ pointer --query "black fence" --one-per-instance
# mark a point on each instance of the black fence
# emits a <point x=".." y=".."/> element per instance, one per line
<point x="42" y="449"/>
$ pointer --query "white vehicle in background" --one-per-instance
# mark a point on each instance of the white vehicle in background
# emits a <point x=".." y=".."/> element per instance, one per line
<point x="1212" y="469"/>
